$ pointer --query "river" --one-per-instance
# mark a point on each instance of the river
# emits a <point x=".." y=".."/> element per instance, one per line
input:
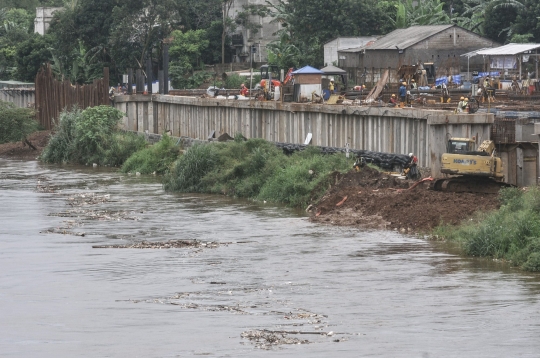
<point x="335" y="292"/>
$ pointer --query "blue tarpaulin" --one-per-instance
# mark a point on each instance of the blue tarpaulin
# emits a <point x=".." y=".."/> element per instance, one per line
<point x="455" y="79"/>
<point x="492" y="74"/>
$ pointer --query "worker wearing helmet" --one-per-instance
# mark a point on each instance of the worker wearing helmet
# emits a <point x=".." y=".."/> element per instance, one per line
<point x="402" y="92"/>
<point x="413" y="159"/>
<point x="244" y="90"/>
<point x="331" y="86"/>
<point x="460" y="104"/>
<point x="465" y="107"/>
<point x="413" y="84"/>
<point x="393" y="99"/>
<point x="410" y="169"/>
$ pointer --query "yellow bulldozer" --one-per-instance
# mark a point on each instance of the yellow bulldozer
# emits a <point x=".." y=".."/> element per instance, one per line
<point x="472" y="169"/>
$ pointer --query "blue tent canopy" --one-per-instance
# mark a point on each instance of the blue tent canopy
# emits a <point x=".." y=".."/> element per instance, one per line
<point x="308" y="70"/>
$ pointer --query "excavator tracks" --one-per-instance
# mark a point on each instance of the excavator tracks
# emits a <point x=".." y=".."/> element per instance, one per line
<point x="468" y="185"/>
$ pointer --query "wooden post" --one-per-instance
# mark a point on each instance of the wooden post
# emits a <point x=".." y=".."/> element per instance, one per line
<point x="106" y="81"/>
<point x="160" y="80"/>
<point x="165" y="68"/>
<point x="149" y="75"/>
<point x="130" y="81"/>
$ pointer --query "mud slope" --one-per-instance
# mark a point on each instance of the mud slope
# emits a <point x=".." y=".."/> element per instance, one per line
<point x="381" y="201"/>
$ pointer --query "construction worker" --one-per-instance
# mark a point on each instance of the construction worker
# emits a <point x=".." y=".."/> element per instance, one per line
<point x="410" y="170"/>
<point x="243" y="90"/>
<point x="465" y="107"/>
<point x="331" y="86"/>
<point x="403" y="92"/>
<point x="413" y="84"/>
<point x="414" y="160"/>
<point x="486" y="82"/>
<point x="393" y="99"/>
<point x="460" y="104"/>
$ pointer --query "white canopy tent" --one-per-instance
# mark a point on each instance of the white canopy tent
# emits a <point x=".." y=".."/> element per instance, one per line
<point x="517" y="51"/>
<point x="469" y="55"/>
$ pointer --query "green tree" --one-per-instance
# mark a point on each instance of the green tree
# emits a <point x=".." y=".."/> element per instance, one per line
<point x="421" y="12"/>
<point x="186" y="51"/>
<point x="474" y="16"/>
<point x="196" y="15"/>
<point x="140" y="27"/>
<point x="283" y="53"/>
<point x="310" y="23"/>
<point x="30" y="5"/>
<point x="76" y="55"/>
<point x="227" y="23"/>
<point x="31" y="55"/>
<point x="498" y="23"/>
<point x="527" y="22"/>
<point x="212" y="53"/>
<point x="15" y="27"/>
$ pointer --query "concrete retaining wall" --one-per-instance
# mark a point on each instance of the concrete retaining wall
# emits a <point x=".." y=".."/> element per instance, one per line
<point x="22" y="98"/>
<point x="382" y="129"/>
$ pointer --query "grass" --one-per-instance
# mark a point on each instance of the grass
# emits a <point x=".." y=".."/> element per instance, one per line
<point x="154" y="159"/>
<point x="255" y="169"/>
<point x="511" y="233"/>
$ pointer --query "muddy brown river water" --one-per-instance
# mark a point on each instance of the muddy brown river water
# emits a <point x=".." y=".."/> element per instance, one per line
<point x="260" y="281"/>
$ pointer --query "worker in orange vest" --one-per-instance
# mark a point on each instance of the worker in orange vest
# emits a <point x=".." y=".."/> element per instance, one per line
<point x="243" y="90"/>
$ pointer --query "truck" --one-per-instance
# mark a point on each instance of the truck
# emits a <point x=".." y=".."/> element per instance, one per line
<point x="470" y="169"/>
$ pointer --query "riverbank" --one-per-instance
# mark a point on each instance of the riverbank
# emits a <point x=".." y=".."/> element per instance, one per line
<point x="374" y="200"/>
<point x="377" y="200"/>
<point x="21" y="151"/>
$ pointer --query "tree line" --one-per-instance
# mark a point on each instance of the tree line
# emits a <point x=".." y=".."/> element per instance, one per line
<point x="90" y="34"/>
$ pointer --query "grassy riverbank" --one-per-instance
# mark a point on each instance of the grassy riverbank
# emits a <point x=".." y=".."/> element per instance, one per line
<point x="155" y="159"/>
<point x="511" y="233"/>
<point x="255" y="169"/>
<point x="91" y="136"/>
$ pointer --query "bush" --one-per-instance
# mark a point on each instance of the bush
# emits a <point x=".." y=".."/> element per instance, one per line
<point x="157" y="158"/>
<point x="234" y="81"/>
<point x="16" y="123"/>
<point x="511" y="233"/>
<point x="189" y="169"/>
<point x="119" y="147"/>
<point x="62" y="145"/>
<point x="256" y="80"/>
<point x="305" y="179"/>
<point x="91" y="136"/>
<point x="255" y="169"/>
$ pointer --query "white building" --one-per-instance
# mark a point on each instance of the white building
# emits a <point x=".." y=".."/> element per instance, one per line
<point x="43" y="18"/>
<point x="332" y="47"/>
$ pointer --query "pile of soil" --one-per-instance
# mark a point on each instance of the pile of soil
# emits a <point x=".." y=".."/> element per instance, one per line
<point x="20" y="150"/>
<point x="376" y="200"/>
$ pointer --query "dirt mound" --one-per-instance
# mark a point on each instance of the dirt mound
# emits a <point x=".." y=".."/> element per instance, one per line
<point x="20" y="150"/>
<point x="372" y="199"/>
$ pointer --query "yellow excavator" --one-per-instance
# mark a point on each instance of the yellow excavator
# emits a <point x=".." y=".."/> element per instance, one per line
<point x="474" y="170"/>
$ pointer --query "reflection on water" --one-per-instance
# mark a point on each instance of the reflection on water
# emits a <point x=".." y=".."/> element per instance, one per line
<point x="338" y="292"/>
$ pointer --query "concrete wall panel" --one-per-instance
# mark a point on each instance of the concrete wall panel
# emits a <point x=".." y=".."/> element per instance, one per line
<point x="380" y="129"/>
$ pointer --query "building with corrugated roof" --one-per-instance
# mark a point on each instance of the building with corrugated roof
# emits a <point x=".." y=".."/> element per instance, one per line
<point x="440" y="45"/>
<point x="332" y="47"/>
